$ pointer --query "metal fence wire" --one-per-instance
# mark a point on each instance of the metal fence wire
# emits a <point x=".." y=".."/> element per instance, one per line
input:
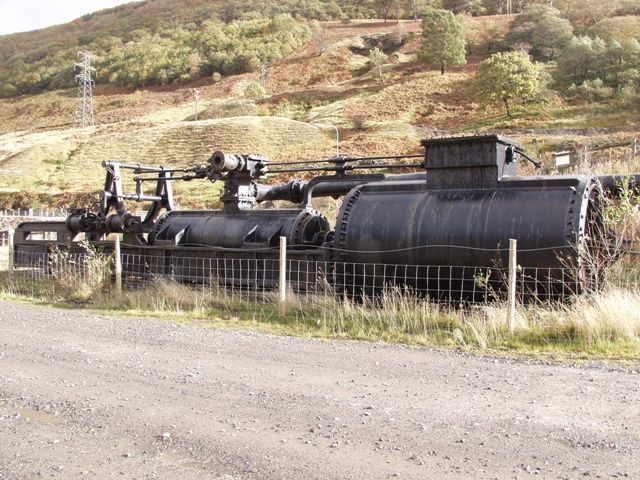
<point x="257" y="280"/>
<point x="50" y="213"/>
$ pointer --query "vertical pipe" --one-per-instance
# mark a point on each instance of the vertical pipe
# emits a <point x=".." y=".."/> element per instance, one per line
<point x="511" y="310"/>
<point x="118" y="261"/>
<point x="282" y="284"/>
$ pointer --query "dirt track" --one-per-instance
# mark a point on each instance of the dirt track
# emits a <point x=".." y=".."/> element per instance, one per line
<point x="82" y="396"/>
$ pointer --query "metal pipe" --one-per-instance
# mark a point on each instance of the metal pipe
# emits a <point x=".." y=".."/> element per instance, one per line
<point x="295" y="191"/>
<point x="345" y="168"/>
<point x="346" y="159"/>
<point x="616" y="184"/>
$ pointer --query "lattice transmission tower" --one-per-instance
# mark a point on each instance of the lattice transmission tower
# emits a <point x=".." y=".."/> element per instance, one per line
<point x="84" y="108"/>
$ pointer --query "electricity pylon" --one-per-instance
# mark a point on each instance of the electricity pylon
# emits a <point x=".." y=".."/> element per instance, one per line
<point x="84" y="109"/>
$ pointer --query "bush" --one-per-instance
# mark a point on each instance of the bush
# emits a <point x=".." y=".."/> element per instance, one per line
<point x="591" y="90"/>
<point x="254" y="91"/>
<point x="7" y="90"/>
<point x="359" y="122"/>
<point x="160" y="57"/>
<point x="543" y="29"/>
<point x="377" y="59"/>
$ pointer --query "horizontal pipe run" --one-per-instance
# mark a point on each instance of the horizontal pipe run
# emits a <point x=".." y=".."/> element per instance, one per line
<point x="347" y="159"/>
<point x="616" y="184"/>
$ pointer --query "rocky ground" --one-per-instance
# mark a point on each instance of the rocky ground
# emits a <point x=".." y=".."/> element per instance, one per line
<point x="86" y="396"/>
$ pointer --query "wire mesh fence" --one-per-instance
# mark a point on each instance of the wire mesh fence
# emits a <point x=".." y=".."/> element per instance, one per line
<point x="43" y="274"/>
<point x="50" y="213"/>
<point x="256" y="280"/>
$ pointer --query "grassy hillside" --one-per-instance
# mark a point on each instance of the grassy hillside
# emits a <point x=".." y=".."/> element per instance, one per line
<point x="44" y="159"/>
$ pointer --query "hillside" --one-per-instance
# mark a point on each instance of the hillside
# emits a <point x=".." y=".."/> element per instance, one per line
<point x="44" y="159"/>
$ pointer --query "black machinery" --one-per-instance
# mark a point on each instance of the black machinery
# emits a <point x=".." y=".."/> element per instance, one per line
<point x="460" y="212"/>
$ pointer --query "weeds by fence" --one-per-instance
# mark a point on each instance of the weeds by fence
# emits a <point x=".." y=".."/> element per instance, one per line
<point x="257" y="280"/>
<point x="345" y="299"/>
<point x="590" y="153"/>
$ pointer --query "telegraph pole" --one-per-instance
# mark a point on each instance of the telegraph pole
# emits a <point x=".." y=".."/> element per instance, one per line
<point x="84" y="108"/>
<point x="196" y="96"/>
<point x="263" y="76"/>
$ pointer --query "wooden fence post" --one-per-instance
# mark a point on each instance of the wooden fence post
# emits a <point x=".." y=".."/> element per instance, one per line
<point x="585" y="156"/>
<point x="634" y="148"/>
<point x="282" y="284"/>
<point x="511" y="307"/>
<point x="10" y="233"/>
<point x="118" y="262"/>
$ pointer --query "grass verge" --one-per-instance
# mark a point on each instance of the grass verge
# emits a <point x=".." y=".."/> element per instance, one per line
<point x="602" y="326"/>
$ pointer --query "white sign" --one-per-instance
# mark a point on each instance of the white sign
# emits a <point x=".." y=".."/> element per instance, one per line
<point x="563" y="159"/>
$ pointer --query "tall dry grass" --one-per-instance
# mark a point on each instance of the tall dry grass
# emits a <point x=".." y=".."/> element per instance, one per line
<point x="591" y="322"/>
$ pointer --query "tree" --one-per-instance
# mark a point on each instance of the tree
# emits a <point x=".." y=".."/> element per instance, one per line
<point x="585" y="13"/>
<point x="506" y="76"/>
<point x="442" y="40"/>
<point x="385" y="7"/>
<point x="622" y="29"/>
<point x="473" y="7"/>
<point x="582" y="59"/>
<point x="378" y="58"/>
<point x="543" y="28"/>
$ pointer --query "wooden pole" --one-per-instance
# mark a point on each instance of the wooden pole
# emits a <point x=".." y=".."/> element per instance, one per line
<point x="282" y="284"/>
<point x="634" y="148"/>
<point x="511" y="312"/>
<point x="118" y="261"/>
<point x="10" y="233"/>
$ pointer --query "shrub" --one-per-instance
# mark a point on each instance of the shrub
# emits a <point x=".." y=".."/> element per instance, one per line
<point x="254" y="91"/>
<point x="542" y="28"/>
<point x="591" y="90"/>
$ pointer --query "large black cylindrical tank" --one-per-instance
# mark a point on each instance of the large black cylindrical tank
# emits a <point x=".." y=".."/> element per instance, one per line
<point x="404" y="233"/>
<point x="240" y="229"/>
<point x="405" y="223"/>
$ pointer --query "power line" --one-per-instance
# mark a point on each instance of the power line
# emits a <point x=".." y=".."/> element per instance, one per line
<point x="84" y="108"/>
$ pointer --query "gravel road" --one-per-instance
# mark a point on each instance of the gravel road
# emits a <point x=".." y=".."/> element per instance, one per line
<point x="85" y="396"/>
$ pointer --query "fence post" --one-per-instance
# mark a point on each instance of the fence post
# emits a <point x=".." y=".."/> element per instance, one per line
<point x="511" y="310"/>
<point x="282" y="284"/>
<point x="118" y="261"/>
<point x="10" y="233"/>
<point x="585" y="156"/>
<point x="634" y="148"/>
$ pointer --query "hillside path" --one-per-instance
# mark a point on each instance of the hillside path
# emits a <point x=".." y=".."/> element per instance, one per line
<point x="88" y="396"/>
